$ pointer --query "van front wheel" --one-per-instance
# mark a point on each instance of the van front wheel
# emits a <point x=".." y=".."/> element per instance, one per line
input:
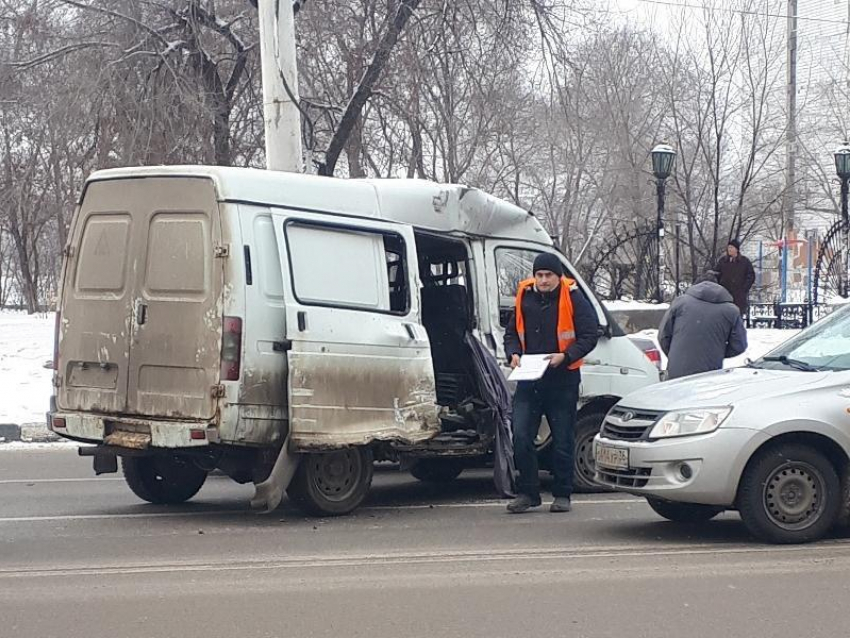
<point x="332" y="483"/>
<point x="436" y="470"/>
<point x="162" y="479"/>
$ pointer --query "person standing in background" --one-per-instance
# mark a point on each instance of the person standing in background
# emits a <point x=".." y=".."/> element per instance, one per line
<point x="735" y="273"/>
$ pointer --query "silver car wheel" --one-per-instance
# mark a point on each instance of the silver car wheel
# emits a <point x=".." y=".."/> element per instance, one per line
<point x="793" y="496"/>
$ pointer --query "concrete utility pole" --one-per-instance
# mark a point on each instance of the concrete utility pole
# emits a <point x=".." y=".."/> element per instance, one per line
<point x="281" y="116"/>
<point x="791" y="128"/>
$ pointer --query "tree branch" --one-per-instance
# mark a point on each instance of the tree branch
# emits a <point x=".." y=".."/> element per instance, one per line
<point x="364" y="88"/>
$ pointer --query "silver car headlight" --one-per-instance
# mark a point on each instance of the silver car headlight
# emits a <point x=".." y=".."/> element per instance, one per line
<point x="689" y="422"/>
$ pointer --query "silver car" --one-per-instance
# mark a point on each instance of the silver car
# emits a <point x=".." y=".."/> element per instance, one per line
<point x="771" y="440"/>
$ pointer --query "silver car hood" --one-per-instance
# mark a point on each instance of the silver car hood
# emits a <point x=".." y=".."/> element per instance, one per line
<point x="728" y="387"/>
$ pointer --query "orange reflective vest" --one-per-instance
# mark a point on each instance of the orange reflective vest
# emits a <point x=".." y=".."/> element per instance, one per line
<point x="566" y="326"/>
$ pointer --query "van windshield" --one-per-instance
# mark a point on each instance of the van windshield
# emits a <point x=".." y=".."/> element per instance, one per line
<point x="823" y="346"/>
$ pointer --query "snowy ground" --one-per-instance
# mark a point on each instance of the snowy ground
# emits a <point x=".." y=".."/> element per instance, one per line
<point x="618" y="305"/>
<point x="26" y="344"/>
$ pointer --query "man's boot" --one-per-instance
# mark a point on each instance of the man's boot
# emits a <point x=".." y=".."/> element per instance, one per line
<point x="561" y="504"/>
<point x="523" y="503"/>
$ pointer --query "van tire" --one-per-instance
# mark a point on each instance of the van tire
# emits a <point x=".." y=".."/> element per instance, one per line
<point x="683" y="512"/>
<point x="162" y="479"/>
<point x="789" y="493"/>
<point x="587" y="426"/>
<point x="436" y="470"/>
<point x="332" y="483"/>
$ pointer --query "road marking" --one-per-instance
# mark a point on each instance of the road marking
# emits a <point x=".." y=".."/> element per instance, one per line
<point x="89" y="517"/>
<point x="431" y="557"/>
<point x="57" y="480"/>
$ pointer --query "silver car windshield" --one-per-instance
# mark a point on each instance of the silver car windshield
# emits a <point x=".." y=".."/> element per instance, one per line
<point x="823" y="346"/>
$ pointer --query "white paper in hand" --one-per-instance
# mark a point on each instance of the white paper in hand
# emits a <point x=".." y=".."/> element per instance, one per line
<point x="531" y="367"/>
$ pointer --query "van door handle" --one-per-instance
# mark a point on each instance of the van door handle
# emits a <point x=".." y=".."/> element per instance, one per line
<point x="141" y="312"/>
<point x="410" y="331"/>
<point x="302" y="321"/>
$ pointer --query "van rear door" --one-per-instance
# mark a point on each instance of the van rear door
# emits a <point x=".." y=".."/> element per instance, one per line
<point x="141" y="320"/>
<point x="359" y="361"/>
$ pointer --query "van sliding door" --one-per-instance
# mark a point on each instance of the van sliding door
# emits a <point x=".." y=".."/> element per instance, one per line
<point x="359" y="360"/>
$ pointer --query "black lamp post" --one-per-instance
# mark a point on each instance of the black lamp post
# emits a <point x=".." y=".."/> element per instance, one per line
<point x="663" y="156"/>
<point x="842" y="167"/>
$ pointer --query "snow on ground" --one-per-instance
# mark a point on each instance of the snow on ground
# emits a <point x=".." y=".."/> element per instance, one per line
<point x="621" y="305"/>
<point x="26" y="344"/>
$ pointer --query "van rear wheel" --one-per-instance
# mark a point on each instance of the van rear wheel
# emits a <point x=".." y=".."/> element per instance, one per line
<point x="332" y="483"/>
<point x="162" y="479"/>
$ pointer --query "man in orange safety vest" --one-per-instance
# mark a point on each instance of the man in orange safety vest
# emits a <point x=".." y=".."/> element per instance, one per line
<point x="552" y="317"/>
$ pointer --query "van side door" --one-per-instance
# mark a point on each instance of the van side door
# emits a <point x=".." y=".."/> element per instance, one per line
<point x="359" y="359"/>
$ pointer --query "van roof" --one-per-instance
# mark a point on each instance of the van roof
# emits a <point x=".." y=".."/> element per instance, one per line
<point x="442" y="207"/>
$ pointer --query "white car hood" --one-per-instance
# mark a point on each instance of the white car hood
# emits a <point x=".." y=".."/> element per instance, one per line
<point x="725" y="387"/>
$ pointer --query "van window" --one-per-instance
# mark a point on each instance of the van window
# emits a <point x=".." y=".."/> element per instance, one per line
<point x="348" y="268"/>
<point x="267" y="266"/>
<point x="512" y="266"/>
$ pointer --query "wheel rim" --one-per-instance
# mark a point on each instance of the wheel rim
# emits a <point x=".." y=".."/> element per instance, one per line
<point x="584" y="457"/>
<point x="337" y="474"/>
<point x="793" y="496"/>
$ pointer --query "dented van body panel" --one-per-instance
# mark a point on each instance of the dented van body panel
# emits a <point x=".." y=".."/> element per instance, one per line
<point x="331" y="405"/>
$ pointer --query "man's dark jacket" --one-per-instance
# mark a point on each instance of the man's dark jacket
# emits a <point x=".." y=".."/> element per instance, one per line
<point x="701" y="328"/>
<point x="540" y="312"/>
<point x="737" y="276"/>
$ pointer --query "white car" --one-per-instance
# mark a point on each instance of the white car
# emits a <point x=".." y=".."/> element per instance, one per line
<point x="771" y="440"/>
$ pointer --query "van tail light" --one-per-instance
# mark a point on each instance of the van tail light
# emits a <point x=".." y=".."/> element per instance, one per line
<point x="231" y="349"/>
<point x="653" y="355"/>
<point x="56" y="325"/>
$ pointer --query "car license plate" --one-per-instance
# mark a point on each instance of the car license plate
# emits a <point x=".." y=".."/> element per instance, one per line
<point x="613" y="457"/>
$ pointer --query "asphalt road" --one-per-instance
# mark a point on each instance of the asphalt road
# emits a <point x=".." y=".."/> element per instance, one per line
<point x="81" y="557"/>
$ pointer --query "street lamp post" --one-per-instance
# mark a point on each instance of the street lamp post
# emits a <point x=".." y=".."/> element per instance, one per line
<point x="663" y="156"/>
<point x="842" y="168"/>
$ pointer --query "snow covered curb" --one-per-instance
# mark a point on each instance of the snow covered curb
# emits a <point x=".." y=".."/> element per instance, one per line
<point x="27" y="433"/>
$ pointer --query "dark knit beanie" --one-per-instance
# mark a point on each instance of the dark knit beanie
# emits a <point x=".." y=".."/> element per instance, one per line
<point x="736" y="243"/>
<point x="548" y="261"/>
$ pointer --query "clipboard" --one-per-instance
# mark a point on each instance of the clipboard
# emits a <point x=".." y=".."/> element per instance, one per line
<point x="531" y="367"/>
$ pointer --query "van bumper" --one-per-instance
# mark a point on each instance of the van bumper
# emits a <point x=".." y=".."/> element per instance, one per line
<point x="132" y="432"/>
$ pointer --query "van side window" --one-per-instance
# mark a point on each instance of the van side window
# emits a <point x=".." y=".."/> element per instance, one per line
<point x="348" y="268"/>
<point x="512" y="266"/>
<point x="396" y="274"/>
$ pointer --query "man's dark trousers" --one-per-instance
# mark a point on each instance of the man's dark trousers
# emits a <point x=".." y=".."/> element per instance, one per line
<point x="557" y="400"/>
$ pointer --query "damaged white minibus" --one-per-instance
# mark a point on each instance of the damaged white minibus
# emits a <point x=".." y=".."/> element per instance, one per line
<point x="288" y="329"/>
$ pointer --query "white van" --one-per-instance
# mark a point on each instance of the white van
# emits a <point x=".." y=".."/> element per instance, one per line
<point x="288" y="329"/>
